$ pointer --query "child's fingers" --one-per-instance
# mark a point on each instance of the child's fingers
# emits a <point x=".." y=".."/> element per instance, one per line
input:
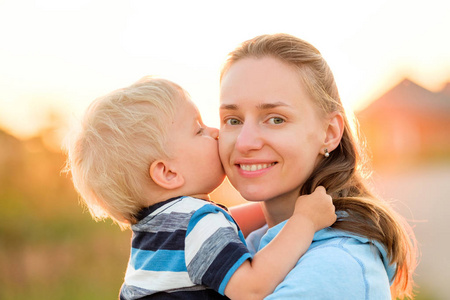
<point x="323" y="192"/>
<point x="320" y="189"/>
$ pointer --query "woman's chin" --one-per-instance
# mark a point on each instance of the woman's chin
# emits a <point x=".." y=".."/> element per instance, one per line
<point x="253" y="196"/>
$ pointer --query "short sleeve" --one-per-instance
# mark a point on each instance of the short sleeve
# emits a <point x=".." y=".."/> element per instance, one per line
<point x="215" y="248"/>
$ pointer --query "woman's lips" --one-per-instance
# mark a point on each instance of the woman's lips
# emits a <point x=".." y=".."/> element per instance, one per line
<point x="255" y="167"/>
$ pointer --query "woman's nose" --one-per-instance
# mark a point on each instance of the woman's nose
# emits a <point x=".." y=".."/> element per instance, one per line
<point x="249" y="138"/>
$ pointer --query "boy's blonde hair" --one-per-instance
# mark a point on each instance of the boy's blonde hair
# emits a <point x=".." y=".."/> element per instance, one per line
<point x="121" y="134"/>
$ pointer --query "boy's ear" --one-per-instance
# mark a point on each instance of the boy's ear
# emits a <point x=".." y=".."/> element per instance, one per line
<point x="334" y="131"/>
<point x="164" y="176"/>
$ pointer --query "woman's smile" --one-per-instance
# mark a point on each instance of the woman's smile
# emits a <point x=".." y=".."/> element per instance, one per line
<point x="254" y="170"/>
<point x="254" y="167"/>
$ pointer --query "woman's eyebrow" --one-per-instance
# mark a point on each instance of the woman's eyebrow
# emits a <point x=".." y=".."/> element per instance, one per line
<point x="261" y="106"/>
<point x="264" y="106"/>
<point x="229" y="106"/>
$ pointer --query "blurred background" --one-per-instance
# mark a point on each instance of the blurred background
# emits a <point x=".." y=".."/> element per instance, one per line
<point x="391" y="60"/>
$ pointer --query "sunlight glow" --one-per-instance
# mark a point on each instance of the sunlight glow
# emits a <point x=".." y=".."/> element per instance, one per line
<point x="60" y="55"/>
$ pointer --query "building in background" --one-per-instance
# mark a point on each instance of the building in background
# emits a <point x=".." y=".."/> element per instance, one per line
<point x="407" y="124"/>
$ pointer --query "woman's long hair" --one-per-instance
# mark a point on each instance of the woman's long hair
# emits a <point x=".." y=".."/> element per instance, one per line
<point x="342" y="173"/>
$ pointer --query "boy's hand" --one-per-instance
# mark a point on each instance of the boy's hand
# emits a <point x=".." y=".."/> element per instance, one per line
<point x="317" y="207"/>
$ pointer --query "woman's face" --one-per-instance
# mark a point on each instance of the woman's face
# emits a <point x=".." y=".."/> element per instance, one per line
<point x="271" y="134"/>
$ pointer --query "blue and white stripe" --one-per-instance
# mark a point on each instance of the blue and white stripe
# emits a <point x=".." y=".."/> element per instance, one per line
<point x="182" y="247"/>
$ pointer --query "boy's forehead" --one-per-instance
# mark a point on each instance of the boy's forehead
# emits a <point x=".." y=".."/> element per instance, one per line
<point x="189" y="106"/>
<point x="185" y="107"/>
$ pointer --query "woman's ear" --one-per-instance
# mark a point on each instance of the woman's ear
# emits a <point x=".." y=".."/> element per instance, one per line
<point x="334" y="131"/>
<point x="165" y="176"/>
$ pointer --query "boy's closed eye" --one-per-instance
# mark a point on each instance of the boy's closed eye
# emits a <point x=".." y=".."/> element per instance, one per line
<point x="200" y="131"/>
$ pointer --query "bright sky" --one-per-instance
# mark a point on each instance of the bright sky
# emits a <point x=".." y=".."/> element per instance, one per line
<point x="58" y="55"/>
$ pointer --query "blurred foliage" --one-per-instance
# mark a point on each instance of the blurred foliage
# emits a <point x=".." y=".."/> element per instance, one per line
<point x="49" y="247"/>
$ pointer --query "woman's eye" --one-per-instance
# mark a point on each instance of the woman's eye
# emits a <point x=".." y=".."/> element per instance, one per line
<point x="233" y="122"/>
<point x="276" y="120"/>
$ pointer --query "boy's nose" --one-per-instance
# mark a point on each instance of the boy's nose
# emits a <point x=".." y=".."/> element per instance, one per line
<point x="213" y="132"/>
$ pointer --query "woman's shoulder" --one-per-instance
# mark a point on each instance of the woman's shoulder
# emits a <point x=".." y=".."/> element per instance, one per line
<point x="343" y="248"/>
<point x="348" y="245"/>
<point x="330" y="237"/>
<point x="335" y="248"/>
<point x="347" y="242"/>
<point x="346" y="251"/>
<point x="352" y="264"/>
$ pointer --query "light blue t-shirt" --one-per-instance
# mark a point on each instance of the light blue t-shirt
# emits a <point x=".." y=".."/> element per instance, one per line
<point x="337" y="265"/>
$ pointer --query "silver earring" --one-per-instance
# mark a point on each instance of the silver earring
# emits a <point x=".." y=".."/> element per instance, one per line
<point x="326" y="154"/>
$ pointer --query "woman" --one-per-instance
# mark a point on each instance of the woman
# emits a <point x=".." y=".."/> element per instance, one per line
<point x="283" y="133"/>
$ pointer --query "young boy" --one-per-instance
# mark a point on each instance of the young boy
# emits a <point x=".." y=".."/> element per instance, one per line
<point x="144" y="158"/>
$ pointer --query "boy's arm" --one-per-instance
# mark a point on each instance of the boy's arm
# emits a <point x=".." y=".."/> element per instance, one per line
<point x="258" y="278"/>
<point x="248" y="216"/>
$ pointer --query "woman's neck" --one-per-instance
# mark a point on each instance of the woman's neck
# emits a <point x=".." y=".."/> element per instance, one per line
<point x="279" y="209"/>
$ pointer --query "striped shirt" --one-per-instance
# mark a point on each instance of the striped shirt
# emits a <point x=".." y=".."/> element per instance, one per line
<point x="183" y="248"/>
